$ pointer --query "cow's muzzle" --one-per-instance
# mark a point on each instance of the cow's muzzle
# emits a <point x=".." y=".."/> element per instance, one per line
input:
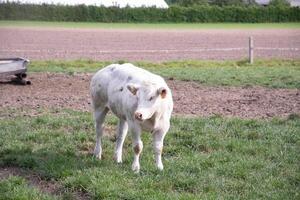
<point x="138" y="116"/>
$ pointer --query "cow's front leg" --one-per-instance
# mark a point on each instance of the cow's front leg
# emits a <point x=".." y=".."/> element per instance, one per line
<point x="121" y="135"/>
<point x="158" y="143"/>
<point x="137" y="148"/>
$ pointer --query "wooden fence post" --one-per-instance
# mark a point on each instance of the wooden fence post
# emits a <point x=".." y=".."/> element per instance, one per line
<point x="251" y="50"/>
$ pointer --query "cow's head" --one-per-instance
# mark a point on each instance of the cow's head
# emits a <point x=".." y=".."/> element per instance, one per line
<point x="149" y="98"/>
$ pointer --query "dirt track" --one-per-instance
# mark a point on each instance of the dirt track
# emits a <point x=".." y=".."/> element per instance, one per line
<point x="151" y="45"/>
<point x="65" y="91"/>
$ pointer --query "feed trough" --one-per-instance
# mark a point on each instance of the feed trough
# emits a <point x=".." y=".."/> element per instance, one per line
<point x="15" y="66"/>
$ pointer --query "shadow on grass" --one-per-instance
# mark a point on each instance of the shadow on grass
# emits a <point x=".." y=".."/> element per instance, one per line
<point x="48" y="163"/>
<point x="44" y="168"/>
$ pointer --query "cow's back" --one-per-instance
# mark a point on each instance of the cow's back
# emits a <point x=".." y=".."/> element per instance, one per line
<point x="132" y="74"/>
<point x="116" y="77"/>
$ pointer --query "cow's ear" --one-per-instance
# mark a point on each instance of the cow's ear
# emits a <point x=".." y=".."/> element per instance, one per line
<point x="132" y="88"/>
<point x="162" y="92"/>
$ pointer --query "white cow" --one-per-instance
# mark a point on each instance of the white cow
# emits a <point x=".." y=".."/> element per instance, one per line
<point x="141" y="100"/>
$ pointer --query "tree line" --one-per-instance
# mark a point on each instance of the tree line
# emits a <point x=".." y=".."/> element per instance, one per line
<point x="175" y="14"/>
<point x="188" y="3"/>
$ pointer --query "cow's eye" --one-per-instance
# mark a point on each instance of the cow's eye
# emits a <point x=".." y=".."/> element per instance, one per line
<point x="151" y="98"/>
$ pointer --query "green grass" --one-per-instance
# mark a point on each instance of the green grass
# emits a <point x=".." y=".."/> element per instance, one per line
<point x="204" y="158"/>
<point x="266" y="73"/>
<point x="40" y="24"/>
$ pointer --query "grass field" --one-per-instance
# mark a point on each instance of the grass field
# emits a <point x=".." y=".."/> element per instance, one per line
<point x="40" y="24"/>
<point x="267" y="73"/>
<point x="205" y="158"/>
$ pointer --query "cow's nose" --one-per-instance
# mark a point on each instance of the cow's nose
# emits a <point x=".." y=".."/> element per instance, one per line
<point x="138" y="116"/>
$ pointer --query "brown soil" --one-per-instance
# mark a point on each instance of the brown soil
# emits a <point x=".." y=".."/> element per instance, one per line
<point x="71" y="91"/>
<point x="49" y="187"/>
<point x="151" y="45"/>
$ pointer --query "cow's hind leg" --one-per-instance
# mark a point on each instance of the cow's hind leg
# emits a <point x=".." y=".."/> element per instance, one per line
<point x="121" y="135"/>
<point x="99" y="115"/>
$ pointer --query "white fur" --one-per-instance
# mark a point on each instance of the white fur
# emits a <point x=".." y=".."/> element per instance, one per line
<point x="134" y="96"/>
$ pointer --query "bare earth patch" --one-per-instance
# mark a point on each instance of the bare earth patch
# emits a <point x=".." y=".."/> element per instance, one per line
<point x="60" y="91"/>
<point x="34" y="180"/>
<point x="46" y="186"/>
<point x="147" y="45"/>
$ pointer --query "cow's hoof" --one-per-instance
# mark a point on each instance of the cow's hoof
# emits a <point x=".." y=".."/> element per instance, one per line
<point x="117" y="159"/>
<point x="160" y="167"/>
<point x="136" y="168"/>
<point x="97" y="155"/>
<point x="98" y="152"/>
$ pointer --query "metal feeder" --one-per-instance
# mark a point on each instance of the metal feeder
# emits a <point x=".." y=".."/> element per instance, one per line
<point x="15" y="66"/>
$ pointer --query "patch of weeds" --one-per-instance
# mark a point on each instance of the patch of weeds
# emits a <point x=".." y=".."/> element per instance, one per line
<point x="242" y="63"/>
<point x="122" y="61"/>
<point x="253" y="136"/>
<point x="294" y="116"/>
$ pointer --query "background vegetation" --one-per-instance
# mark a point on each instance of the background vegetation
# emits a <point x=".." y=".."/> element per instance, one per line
<point x="175" y="14"/>
<point x="187" y="3"/>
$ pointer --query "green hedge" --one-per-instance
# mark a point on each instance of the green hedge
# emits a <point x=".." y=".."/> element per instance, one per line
<point x="46" y="12"/>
